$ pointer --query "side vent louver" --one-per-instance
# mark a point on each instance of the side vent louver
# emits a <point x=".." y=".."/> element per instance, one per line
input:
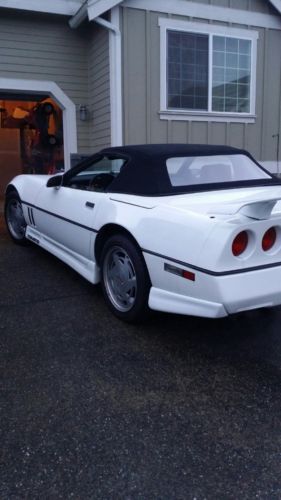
<point x="31" y="216"/>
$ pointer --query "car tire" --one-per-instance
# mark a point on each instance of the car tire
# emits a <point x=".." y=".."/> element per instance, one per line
<point x="14" y="218"/>
<point x="124" y="279"/>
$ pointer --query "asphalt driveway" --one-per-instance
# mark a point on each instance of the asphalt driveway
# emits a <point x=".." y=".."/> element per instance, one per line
<point x="92" y="408"/>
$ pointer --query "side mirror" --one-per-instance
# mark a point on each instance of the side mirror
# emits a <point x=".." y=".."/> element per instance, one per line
<point x="55" y="181"/>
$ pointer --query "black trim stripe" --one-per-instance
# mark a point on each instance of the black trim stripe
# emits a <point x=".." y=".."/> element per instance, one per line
<point x="213" y="273"/>
<point x="185" y="264"/>
<point x="132" y="204"/>
<point x="59" y="217"/>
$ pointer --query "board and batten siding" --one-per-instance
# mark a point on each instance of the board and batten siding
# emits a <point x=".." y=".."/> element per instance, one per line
<point x="141" y="86"/>
<point x="99" y="88"/>
<point x="41" y="47"/>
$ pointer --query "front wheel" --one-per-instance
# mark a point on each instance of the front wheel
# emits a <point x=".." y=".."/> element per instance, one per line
<point x="14" y="217"/>
<point x="124" y="278"/>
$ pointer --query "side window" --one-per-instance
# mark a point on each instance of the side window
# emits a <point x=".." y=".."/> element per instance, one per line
<point x="98" y="175"/>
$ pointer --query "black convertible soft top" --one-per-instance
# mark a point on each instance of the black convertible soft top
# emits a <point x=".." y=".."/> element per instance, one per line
<point x="145" y="172"/>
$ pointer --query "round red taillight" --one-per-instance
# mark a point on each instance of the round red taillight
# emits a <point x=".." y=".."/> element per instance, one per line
<point x="269" y="239"/>
<point x="240" y="243"/>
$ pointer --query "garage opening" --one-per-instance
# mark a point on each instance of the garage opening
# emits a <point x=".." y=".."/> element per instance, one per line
<point x="31" y="136"/>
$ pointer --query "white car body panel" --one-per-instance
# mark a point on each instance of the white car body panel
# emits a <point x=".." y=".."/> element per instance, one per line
<point x="193" y="231"/>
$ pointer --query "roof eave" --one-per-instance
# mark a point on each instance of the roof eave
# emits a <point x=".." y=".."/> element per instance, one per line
<point x="60" y="7"/>
<point x="276" y="4"/>
<point x="98" y="7"/>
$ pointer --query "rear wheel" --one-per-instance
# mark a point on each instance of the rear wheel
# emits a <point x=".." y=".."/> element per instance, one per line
<point x="14" y="217"/>
<point x="125" y="281"/>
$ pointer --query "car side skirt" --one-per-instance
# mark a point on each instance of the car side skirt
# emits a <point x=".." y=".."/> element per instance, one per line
<point x="86" y="267"/>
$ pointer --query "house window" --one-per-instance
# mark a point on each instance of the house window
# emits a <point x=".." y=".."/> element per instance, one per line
<point x="187" y="71"/>
<point x="231" y="74"/>
<point x="207" y="70"/>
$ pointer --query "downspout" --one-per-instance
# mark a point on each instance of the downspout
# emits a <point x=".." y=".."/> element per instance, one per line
<point x="115" y="57"/>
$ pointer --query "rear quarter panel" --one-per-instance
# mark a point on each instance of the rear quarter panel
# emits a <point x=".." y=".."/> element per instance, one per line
<point x="174" y="233"/>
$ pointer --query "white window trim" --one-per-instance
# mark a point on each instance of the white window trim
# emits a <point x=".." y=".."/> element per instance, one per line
<point x="67" y="106"/>
<point x="176" y="114"/>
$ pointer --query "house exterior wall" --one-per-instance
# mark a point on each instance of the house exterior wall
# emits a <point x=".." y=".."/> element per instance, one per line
<point x="262" y="6"/>
<point x="41" y="47"/>
<point x="141" y="86"/>
<point x="99" y="88"/>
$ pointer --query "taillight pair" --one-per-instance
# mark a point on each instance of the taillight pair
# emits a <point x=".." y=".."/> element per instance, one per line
<point x="241" y="241"/>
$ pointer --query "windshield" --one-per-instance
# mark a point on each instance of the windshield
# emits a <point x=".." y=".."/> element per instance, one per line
<point x="192" y="170"/>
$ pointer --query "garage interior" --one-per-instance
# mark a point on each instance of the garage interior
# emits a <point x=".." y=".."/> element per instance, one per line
<point x="31" y="136"/>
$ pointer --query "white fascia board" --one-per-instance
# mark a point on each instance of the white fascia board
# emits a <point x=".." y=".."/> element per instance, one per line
<point x="97" y="7"/>
<point x="209" y="12"/>
<point x="63" y="7"/>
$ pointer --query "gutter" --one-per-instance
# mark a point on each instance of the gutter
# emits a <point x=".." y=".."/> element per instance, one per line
<point x="80" y="16"/>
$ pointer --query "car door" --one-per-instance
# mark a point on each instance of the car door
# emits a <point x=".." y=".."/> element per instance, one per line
<point x="66" y="215"/>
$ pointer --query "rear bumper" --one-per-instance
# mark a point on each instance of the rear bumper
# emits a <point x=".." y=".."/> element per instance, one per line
<point x="218" y="296"/>
<point x="162" y="300"/>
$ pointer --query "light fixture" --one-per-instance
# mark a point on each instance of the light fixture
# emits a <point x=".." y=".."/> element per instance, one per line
<point x="83" y="112"/>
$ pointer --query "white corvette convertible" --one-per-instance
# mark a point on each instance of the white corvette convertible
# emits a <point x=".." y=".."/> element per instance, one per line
<point x="187" y="229"/>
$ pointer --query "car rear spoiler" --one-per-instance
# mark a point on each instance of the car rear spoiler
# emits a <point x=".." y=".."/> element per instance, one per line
<point x="259" y="210"/>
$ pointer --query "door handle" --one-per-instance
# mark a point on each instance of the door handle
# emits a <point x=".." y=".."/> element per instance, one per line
<point x="89" y="204"/>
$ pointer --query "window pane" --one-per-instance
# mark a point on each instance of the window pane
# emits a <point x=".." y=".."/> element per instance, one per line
<point x="231" y="75"/>
<point x="219" y="90"/>
<point x="187" y="87"/>
<point x="188" y="56"/>
<point x="231" y="90"/>
<point x="245" y="47"/>
<point x="174" y="101"/>
<point x="244" y="91"/>
<point x="174" y="86"/>
<point x="174" y="70"/>
<point x="232" y="45"/>
<point x="231" y="60"/>
<point x="218" y="75"/>
<point x="244" y="62"/>
<point x="243" y="106"/>
<point x="187" y="67"/>
<point x="219" y="43"/>
<point x="231" y="105"/>
<point x="218" y="58"/>
<point x="218" y="104"/>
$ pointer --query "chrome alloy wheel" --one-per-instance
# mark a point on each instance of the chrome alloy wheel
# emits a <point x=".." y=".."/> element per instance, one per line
<point x="120" y="279"/>
<point x="15" y="219"/>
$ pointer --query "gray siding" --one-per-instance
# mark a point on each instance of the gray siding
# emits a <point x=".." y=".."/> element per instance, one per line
<point x="141" y="56"/>
<point x="99" y="88"/>
<point x="45" y="48"/>
<point x="262" y="6"/>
